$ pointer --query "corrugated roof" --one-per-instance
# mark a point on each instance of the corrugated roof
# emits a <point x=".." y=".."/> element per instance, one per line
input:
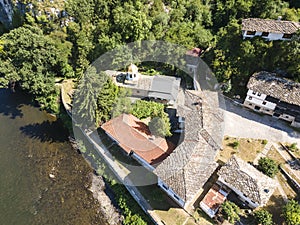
<point x="272" y="26"/>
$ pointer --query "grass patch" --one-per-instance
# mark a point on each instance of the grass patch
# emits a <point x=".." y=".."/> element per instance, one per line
<point x="247" y="149"/>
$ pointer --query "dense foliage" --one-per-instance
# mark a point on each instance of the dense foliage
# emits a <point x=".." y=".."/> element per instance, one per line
<point x="97" y="26"/>
<point x="263" y="217"/>
<point x="32" y="60"/>
<point x="291" y="213"/>
<point x="230" y="211"/>
<point x="160" y="122"/>
<point x="268" y="166"/>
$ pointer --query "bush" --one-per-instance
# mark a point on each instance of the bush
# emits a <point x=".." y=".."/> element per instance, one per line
<point x="293" y="147"/>
<point x="263" y="217"/>
<point x="268" y="166"/>
<point x="264" y="142"/>
<point x="235" y="144"/>
<point x="230" y="211"/>
<point x="291" y="213"/>
<point x="160" y="126"/>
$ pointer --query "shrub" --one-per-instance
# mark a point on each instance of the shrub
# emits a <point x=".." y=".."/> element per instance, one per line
<point x="268" y="166"/>
<point x="264" y="142"/>
<point x="263" y="217"/>
<point x="291" y="213"/>
<point x="230" y="211"/>
<point x="293" y="147"/>
<point x="235" y="144"/>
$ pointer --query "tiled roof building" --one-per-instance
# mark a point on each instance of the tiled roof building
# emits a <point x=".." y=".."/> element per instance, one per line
<point x="184" y="172"/>
<point x="274" y="95"/>
<point x="269" y="29"/>
<point x="247" y="181"/>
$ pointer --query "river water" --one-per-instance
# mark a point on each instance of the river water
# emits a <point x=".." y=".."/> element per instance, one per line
<point x="32" y="146"/>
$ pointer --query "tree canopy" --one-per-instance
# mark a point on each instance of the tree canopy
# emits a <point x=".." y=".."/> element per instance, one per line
<point x="268" y="166"/>
<point x="263" y="217"/>
<point x="291" y="213"/>
<point x="32" y="60"/>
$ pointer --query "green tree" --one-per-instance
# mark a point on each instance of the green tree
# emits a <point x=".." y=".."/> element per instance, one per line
<point x="230" y="211"/>
<point x="291" y="213"/>
<point x="106" y="99"/>
<point x="263" y="217"/>
<point x="122" y="103"/>
<point x="268" y="166"/>
<point x="32" y="60"/>
<point x="85" y="97"/>
<point x="160" y="126"/>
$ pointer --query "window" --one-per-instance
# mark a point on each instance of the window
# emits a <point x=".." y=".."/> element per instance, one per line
<point x="258" y="94"/>
<point x="250" y="103"/>
<point x="287" y="35"/>
<point x="247" y="202"/>
<point x="265" y="34"/>
<point x="264" y="103"/>
<point x="175" y="196"/>
<point x="165" y="187"/>
<point x="250" y="32"/>
<point x="286" y="116"/>
<point x="250" y="98"/>
<point x="257" y="107"/>
<point x="267" y="110"/>
<point x="253" y="92"/>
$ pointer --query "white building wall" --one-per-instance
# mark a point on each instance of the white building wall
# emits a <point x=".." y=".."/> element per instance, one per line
<point x="270" y="37"/>
<point x="295" y="124"/>
<point x="258" y="99"/>
<point x="287" y="117"/>
<point x="244" y="198"/>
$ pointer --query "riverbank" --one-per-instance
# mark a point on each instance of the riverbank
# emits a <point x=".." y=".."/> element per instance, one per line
<point x="34" y="145"/>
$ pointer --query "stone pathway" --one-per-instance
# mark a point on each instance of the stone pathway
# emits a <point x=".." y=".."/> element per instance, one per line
<point x="263" y="153"/>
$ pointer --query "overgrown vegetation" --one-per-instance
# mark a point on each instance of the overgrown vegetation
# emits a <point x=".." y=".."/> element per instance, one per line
<point x="263" y="217"/>
<point x="268" y="166"/>
<point x="230" y="211"/>
<point x="97" y="26"/>
<point x="291" y="213"/>
<point x="160" y="122"/>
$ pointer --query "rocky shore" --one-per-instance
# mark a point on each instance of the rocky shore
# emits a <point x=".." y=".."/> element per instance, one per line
<point x="107" y="209"/>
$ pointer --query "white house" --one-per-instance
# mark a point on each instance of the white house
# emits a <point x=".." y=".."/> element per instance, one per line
<point x="269" y="29"/>
<point x="275" y="96"/>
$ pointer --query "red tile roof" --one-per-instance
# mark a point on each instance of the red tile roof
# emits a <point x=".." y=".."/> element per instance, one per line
<point x="194" y="52"/>
<point x="134" y="135"/>
<point x="214" y="199"/>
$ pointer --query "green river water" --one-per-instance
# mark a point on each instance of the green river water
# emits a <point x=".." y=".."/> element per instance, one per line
<point x="32" y="146"/>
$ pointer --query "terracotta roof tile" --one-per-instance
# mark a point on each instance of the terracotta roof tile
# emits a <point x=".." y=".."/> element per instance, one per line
<point x="133" y="135"/>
